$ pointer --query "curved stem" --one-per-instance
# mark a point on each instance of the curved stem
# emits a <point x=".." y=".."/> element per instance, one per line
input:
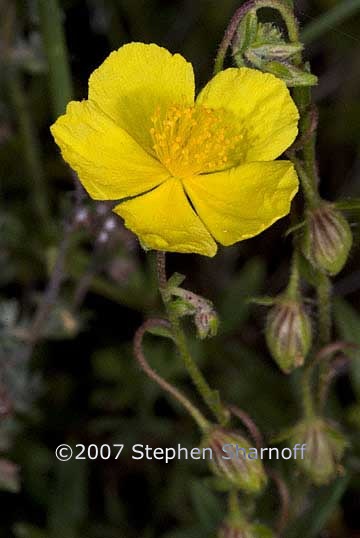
<point x="210" y="397"/>
<point x="230" y="33"/>
<point x="140" y="357"/>
<point x="284" y="495"/>
<point x="249" y="423"/>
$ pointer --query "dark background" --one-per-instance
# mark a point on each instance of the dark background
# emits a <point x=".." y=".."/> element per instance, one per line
<point x="81" y="385"/>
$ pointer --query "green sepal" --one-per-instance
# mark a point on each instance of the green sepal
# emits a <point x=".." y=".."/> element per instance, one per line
<point x="181" y="307"/>
<point x="290" y="74"/>
<point x="160" y="330"/>
<point x="175" y="280"/>
<point x="246" y="35"/>
<point x="275" y="51"/>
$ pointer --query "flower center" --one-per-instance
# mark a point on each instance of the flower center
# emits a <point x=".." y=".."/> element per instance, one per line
<point x="190" y="140"/>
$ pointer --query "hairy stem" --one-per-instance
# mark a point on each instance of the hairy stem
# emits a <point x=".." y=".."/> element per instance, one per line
<point x="323" y="292"/>
<point x="307" y="391"/>
<point x="209" y="396"/>
<point x="311" y="194"/>
<point x="140" y="357"/>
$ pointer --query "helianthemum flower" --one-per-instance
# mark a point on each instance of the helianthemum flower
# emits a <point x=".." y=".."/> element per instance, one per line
<point x="193" y="172"/>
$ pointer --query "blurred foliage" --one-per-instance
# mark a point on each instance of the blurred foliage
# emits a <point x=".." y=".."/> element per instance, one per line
<point x="81" y="384"/>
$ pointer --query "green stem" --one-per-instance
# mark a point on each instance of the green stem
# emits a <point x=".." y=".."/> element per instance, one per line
<point x="209" y="396"/>
<point x="140" y="357"/>
<point x="323" y="292"/>
<point x="311" y="194"/>
<point x="307" y="391"/>
<point x="57" y="55"/>
<point x="30" y="145"/>
<point x="334" y="16"/>
<point x="303" y="99"/>
<point x="294" y="282"/>
<point x="234" y="508"/>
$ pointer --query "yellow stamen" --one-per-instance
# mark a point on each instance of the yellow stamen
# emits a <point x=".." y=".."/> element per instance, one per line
<point x="191" y="140"/>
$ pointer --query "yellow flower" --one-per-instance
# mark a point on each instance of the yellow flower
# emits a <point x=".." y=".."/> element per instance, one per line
<point x="192" y="172"/>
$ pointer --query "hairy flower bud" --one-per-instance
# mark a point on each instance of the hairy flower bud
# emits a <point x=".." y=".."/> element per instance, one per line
<point x="206" y="322"/>
<point x="288" y="334"/>
<point x="231" y="462"/>
<point x="325" y="446"/>
<point x="328" y="239"/>
<point x="188" y="303"/>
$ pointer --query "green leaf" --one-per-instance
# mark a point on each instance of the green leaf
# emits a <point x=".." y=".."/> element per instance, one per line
<point x="234" y="307"/>
<point x="352" y="204"/>
<point x="322" y="507"/>
<point x="68" y="502"/>
<point x="207" y="507"/>
<point x="347" y="320"/>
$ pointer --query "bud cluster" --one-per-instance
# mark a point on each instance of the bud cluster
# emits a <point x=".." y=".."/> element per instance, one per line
<point x="263" y="46"/>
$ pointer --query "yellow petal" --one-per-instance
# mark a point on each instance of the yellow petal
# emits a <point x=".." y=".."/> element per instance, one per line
<point x="260" y="105"/>
<point x="110" y="164"/>
<point x="242" y="202"/>
<point x="164" y="220"/>
<point x="134" y="80"/>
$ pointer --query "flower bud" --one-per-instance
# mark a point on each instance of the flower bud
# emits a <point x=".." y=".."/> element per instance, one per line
<point x="327" y="240"/>
<point x="206" y="322"/>
<point x="231" y="462"/>
<point x="188" y="303"/>
<point x="288" y="334"/>
<point x="325" y="446"/>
